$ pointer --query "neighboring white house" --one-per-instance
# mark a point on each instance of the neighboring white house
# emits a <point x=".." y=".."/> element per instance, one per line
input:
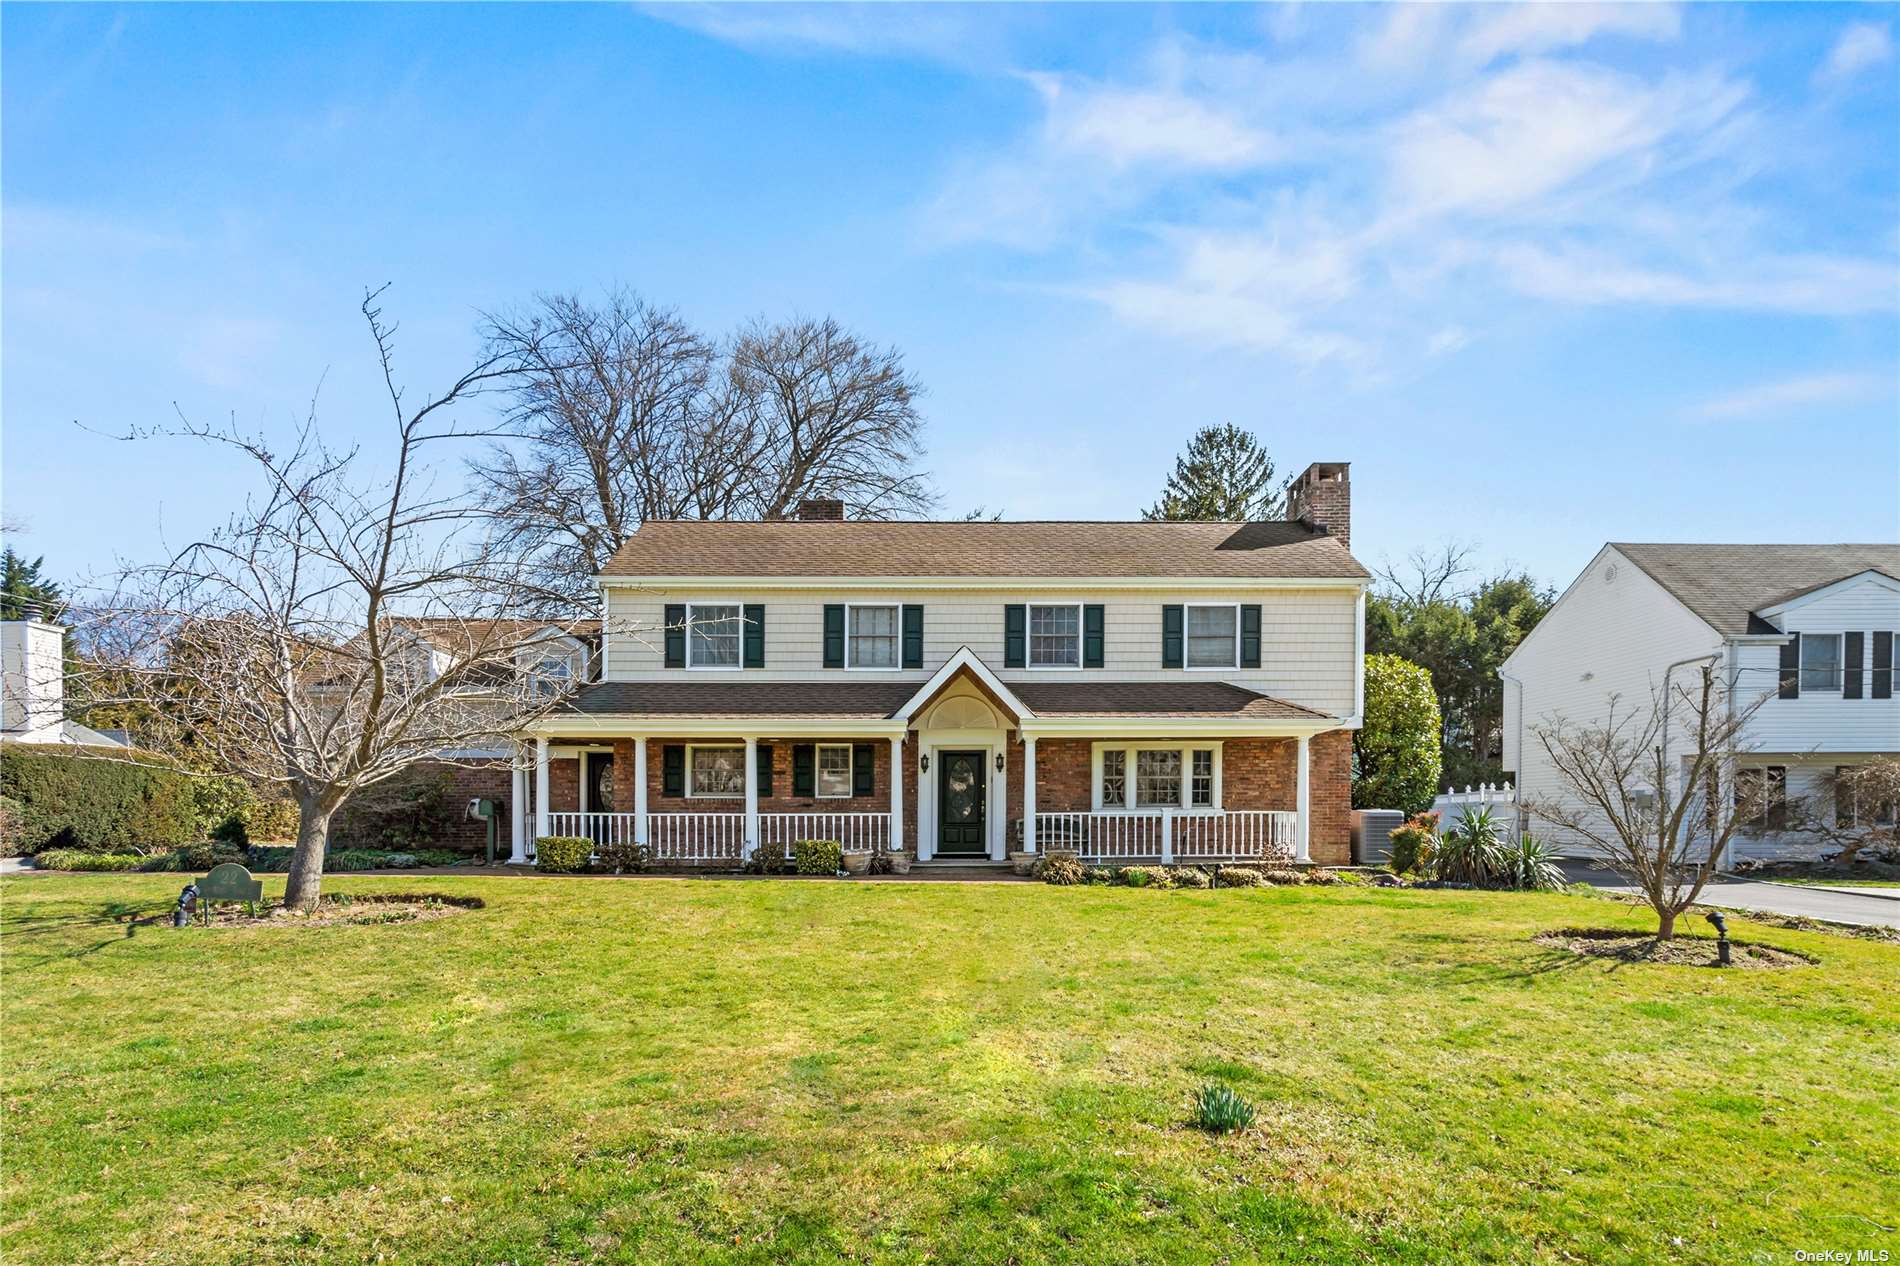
<point x="1806" y="629"/>
<point x="33" y="688"/>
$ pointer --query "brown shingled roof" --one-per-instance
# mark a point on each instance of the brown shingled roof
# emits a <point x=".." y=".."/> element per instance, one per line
<point x="877" y="700"/>
<point x="1065" y="549"/>
<point x="1725" y="584"/>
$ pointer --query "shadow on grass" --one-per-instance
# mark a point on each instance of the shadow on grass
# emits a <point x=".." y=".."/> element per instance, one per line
<point x="127" y="915"/>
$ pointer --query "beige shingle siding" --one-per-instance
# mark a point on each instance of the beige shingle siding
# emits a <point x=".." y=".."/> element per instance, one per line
<point x="861" y="548"/>
<point x="1308" y="636"/>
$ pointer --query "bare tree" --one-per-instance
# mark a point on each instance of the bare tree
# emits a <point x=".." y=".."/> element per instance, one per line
<point x="1665" y="830"/>
<point x="1428" y="576"/>
<point x="1857" y="810"/>
<point x="339" y="628"/>
<point x="623" y="414"/>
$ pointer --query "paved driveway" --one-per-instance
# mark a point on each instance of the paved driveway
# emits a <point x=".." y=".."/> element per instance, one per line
<point x="1833" y="905"/>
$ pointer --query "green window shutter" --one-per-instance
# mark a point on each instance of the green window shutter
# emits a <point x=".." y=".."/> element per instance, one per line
<point x="1092" y="635"/>
<point x="1883" y="666"/>
<point x="913" y="635"/>
<point x="764" y="762"/>
<point x="1852" y="645"/>
<point x="804" y="771"/>
<point x="1250" y="635"/>
<point x="754" y="635"/>
<point x="673" y="770"/>
<point x="1172" y="641"/>
<point x="834" y="635"/>
<point x="676" y="635"/>
<point x="1791" y="668"/>
<point x="863" y="769"/>
<point x="1015" y="635"/>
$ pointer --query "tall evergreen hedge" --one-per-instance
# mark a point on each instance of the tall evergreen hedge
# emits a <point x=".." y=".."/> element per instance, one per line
<point x="1396" y="751"/>
<point x="69" y="801"/>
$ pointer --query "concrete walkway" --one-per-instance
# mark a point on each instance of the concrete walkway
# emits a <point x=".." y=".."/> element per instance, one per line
<point x="1830" y="905"/>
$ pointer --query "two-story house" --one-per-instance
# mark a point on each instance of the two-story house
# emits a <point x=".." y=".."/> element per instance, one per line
<point x="965" y="691"/>
<point x="1803" y="634"/>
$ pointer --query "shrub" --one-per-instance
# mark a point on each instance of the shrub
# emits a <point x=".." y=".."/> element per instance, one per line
<point x="1219" y="1110"/>
<point x="86" y="859"/>
<point x="1136" y="876"/>
<point x="1098" y="875"/>
<point x="1531" y="866"/>
<point x="1320" y="875"/>
<point x="1240" y="877"/>
<point x="404" y="813"/>
<point x="95" y="804"/>
<point x="1061" y="870"/>
<point x="1188" y="877"/>
<point x="1412" y="843"/>
<point x="266" y="859"/>
<point x="1396" y="754"/>
<point x="439" y="857"/>
<point x="1471" y="852"/>
<point x="355" y="859"/>
<point x="770" y="859"/>
<point x="817" y="857"/>
<point x="12" y="837"/>
<point x="562" y="854"/>
<point x="622" y="857"/>
<point x="1278" y="875"/>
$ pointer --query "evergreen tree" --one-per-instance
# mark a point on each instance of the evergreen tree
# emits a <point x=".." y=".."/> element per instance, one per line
<point x="22" y="586"/>
<point x="1225" y="475"/>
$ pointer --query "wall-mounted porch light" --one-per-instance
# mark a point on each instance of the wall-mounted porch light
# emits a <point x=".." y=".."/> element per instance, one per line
<point x="923" y="762"/>
<point x="999" y="762"/>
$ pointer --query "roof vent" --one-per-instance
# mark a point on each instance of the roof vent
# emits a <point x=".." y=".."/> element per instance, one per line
<point x="821" y="510"/>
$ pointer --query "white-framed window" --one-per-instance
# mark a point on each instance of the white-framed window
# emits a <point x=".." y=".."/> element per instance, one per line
<point x="1213" y="635"/>
<point x="716" y="773"/>
<point x="1820" y="661"/>
<point x="833" y="764"/>
<point x="552" y="674"/>
<point x="1148" y="776"/>
<point x="1761" y="796"/>
<point x="1055" y="635"/>
<point x="871" y="636"/>
<point x="713" y="634"/>
<point x="1853" y="807"/>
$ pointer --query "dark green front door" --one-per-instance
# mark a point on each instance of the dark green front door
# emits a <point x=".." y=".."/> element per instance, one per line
<point x="960" y="805"/>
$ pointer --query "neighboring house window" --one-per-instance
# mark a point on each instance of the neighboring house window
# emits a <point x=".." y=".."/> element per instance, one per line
<point x="1114" y="778"/>
<point x="834" y="771"/>
<point x="1213" y="636"/>
<point x="1820" y="661"/>
<point x="552" y="675"/>
<point x="712" y="635"/>
<point x="1201" y="792"/>
<point x="1761" y="796"/>
<point x="1849" y="811"/>
<point x="1163" y="777"/>
<point x="870" y="637"/>
<point x="1055" y="637"/>
<point x="717" y="772"/>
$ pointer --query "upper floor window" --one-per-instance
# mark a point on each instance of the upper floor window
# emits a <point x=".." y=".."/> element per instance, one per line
<point x="712" y="635"/>
<point x="1055" y="636"/>
<point x="1820" y="661"/>
<point x="870" y="637"/>
<point x="1213" y="636"/>
<point x="552" y="675"/>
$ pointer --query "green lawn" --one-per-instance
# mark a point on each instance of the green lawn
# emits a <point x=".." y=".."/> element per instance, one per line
<point x="663" y="1071"/>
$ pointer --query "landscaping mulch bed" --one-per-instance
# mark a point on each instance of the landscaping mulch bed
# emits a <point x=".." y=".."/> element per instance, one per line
<point x="1680" y="951"/>
<point x="343" y="908"/>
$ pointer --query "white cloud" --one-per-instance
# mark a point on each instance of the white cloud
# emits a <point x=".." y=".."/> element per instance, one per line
<point x="1861" y="46"/>
<point x="1539" y="28"/>
<point x="1161" y="125"/>
<point x="937" y="32"/>
<point x="1775" y="399"/>
<point x="1813" y="285"/>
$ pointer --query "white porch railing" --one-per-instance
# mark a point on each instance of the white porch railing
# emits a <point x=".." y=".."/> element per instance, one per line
<point x="696" y="837"/>
<point x="1168" y="835"/>
<point x="857" y="832"/>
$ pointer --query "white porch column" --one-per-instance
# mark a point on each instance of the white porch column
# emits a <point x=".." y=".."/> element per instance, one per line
<point x="518" y="811"/>
<point x="1300" y="840"/>
<point x="541" y="786"/>
<point x="751" y="795"/>
<point x="1029" y="794"/>
<point x="640" y="791"/>
<point x="897" y="795"/>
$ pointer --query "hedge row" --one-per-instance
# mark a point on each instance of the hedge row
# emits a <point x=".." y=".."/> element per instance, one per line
<point x="101" y="805"/>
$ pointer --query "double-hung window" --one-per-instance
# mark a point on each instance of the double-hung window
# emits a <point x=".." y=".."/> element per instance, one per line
<point x="552" y="675"/>
<point x="1055" y="636"/>
<point x="715" y="772"/>
<point x="834" y="771"/>
<point x="1820" y="661"/>
<point x="870" y="637"/>
<point x="1213" y="636"/>
<point x="712" y="635"/>
<point x="1130" y="776"/>
<point x="1761" y="796"/>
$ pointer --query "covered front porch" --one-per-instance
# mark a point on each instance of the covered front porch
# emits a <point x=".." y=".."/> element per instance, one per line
<point x="962" y="769"/>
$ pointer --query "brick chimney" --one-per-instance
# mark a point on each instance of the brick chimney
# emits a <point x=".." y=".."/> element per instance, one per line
<point x="1322" y="498"/>
<point x="821" y="510"/>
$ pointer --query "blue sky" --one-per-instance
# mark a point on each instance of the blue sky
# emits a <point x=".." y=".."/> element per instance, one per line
<point x="1545" y="276"/>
